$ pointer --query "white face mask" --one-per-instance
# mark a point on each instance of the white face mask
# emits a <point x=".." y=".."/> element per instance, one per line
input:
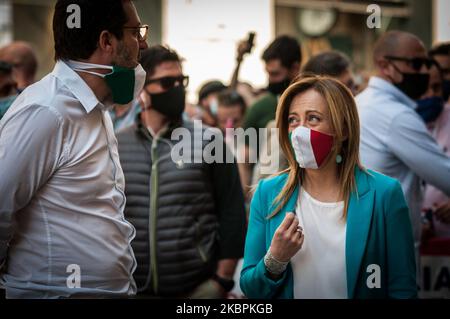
<point x="125" y="83"/>
<point x="311" y="147"/>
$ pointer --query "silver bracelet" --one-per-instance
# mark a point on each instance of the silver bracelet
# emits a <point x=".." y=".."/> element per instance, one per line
<point x="274" y="266"/>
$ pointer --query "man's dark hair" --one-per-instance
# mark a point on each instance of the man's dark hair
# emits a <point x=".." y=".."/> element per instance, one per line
<point x="230" y="97"/>
<point x="155" y="55"/>
<point x="440" y="49"/>
<point x="95" y="17"/>
<point x="284" y="48"/>
<point x="209" y="87"/>
<point x="331" y="63"/>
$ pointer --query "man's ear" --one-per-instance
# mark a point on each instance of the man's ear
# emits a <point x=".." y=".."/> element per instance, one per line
<point x="105" y="42"/>
<point x="383" y="66"/>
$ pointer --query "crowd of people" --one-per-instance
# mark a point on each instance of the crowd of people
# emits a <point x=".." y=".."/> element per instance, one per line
<point x="93" y="204"/>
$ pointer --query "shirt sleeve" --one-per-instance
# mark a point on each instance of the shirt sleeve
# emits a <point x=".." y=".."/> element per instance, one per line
<point x="411" y="142"/>
<point x="31" y="145"/>
<point x="230" y="206"/>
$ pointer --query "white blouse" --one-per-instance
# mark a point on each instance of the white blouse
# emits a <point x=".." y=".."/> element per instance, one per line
<point x="319" y="267"/>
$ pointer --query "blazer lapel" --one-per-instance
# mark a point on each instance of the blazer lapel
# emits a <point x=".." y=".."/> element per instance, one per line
<point x="359" y="218"/>
<point x="288" y="207"/>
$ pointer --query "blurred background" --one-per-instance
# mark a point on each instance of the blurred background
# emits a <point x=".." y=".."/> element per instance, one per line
<point x="205" y="32"/>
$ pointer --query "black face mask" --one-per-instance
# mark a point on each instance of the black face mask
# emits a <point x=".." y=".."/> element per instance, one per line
<point x="170" y="103"/>
<point x="413" y="85"/>
<point x="277" y="88"/>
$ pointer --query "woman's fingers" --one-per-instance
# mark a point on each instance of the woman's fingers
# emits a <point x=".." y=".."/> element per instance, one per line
<point x="287" y="221"/>
<point x="297" y="236"/>
<point x="293" y="227"/>
<point x="302" y="239"/>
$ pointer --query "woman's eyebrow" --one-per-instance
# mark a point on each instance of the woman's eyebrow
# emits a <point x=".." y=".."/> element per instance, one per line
<point x="313" y="110"/>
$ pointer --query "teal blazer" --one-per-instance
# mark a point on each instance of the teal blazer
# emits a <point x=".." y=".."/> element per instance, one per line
<point x="378" y="232"/>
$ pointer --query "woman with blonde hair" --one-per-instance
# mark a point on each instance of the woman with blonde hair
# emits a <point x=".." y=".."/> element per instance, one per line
<point x="326" y="227"/>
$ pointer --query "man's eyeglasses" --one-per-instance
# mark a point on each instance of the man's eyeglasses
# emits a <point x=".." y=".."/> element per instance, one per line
<point x="169" y="82"/>
<point x="415" y="63"/>
<point x="143" y="31"/>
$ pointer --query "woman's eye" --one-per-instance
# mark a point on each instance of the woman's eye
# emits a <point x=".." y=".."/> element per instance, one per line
<point x="314" y="118"/>
<point x="292" y="120"/>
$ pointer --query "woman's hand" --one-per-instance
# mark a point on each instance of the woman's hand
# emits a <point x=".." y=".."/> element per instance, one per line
<point x="288" y="239"/>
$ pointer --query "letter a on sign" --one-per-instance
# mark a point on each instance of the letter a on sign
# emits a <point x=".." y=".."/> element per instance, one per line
<point x="374" y="279"/>
<point x="74" y="279"/>
<point x="74" y="19"/>
<point x="374" y="20"/>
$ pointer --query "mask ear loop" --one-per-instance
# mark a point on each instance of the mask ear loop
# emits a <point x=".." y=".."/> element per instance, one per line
<point x="83" y="67"/>
<point x="93" y="73"/>
<point x="396" y="69"/>
<point x="144" y="99"/>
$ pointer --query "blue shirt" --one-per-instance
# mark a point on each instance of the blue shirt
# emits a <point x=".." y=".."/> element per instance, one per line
<point x="396" y="142"/>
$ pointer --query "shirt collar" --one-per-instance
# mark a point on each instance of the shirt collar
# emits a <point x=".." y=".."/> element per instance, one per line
<point x="388" y="88"/>
<point x="77" y="85"/>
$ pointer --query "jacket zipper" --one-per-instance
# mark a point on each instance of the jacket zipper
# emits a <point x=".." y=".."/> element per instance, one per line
<point x="152" y="219"/>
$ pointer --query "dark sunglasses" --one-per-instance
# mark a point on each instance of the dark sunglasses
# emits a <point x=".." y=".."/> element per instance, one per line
<point x="169" y="82"/>
<point x="5" y="67"/>
<point x="415" y="63"/>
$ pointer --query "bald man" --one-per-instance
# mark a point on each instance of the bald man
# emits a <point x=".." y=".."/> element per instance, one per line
<point x="394" y="139"/>
<point x="23" y="59"/>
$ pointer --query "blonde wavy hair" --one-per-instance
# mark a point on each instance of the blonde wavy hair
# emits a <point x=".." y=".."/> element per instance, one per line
<point x="344" y="122"/>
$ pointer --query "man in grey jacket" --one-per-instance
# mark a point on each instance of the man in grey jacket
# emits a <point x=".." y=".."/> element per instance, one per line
<point x="189" y="215"/>
<point x="62" y="228"/>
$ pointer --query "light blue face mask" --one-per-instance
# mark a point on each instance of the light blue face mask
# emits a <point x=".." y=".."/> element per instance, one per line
<point x="214" y="107"/>
<point x="5" y="103"/>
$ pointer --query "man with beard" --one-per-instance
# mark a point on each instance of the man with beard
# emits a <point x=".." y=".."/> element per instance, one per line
<point x="62" y="228"/>
<point x="189" y="215"/>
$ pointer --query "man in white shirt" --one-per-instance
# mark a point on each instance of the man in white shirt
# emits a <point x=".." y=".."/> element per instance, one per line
<point x="62" y="228"/>
<point x="394" y="138"/>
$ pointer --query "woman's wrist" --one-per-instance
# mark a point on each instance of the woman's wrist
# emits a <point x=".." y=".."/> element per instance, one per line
<point x="273" y="265"/>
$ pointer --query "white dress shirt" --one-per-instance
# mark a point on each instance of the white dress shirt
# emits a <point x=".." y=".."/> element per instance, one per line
<point x="319" y="267"/>
<point x="396" y="142"/>
<point x="62" y="228"/>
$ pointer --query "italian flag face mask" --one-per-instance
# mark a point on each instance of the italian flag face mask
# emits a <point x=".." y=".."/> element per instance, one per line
<point x="311" y="147"/>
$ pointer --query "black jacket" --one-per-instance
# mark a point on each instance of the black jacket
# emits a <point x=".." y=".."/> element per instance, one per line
<point x="187" y="215"/>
